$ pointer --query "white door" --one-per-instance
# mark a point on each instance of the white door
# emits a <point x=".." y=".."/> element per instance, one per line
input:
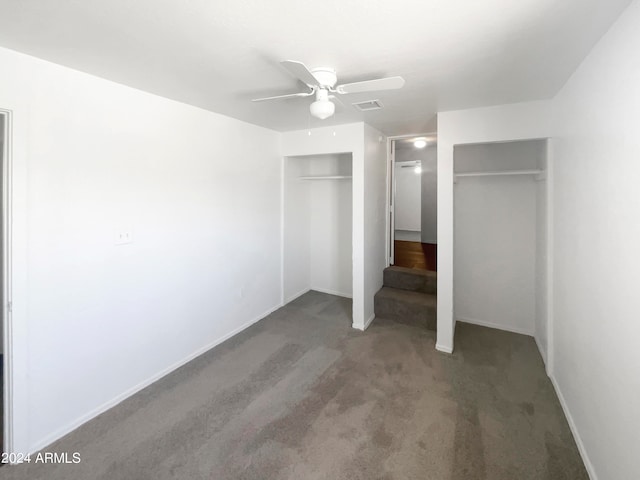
<point x="392" y="201"/>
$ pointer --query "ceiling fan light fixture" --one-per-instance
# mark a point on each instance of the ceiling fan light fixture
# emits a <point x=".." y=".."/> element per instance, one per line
<point x="322" y="109"/>
<point x="321" y="81"/>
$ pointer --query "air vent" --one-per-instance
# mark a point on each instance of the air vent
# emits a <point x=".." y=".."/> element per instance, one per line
<point x="368" y="105"/>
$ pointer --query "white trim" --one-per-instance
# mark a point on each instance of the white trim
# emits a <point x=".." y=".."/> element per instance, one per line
<point x="549" y="279"/>
<point x="282" y="200"/>
<point x="574" y="431"/>
<point x="16" y="353"/>
<point x="543" y="354"/>
<point x="132" y="391"/>
<point x="390" y="205"/>
<point x="7" y="313"/>
<point x="295" y="295"/>
<point x="390" y="192"/>
<point x="506" y="328"/>
<point x="366" y="324"/>
<point x="332" y="292"/>
<point x="444" y="348"/>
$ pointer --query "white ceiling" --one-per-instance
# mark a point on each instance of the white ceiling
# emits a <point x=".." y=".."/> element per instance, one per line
<point x="218" y="54"/>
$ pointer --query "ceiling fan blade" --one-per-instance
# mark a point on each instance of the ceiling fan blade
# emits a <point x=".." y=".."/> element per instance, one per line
<point x="389" y="83"/>
<point x="301" y="72"/>
<point x="278" y="97"/>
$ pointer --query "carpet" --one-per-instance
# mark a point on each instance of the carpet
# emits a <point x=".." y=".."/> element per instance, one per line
<point x="302" y="395"/>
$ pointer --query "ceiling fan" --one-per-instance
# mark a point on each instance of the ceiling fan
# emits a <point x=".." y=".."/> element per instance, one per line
<point x="322" y="83"/>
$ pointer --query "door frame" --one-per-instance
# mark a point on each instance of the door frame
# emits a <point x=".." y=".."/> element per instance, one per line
<point x="391" y="192"/>
<point x="7" y="304"/>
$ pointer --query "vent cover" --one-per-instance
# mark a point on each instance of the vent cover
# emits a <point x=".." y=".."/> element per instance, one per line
<point x="368" y="105"/>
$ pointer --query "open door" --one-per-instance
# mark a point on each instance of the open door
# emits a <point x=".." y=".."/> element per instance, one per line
<point x="392" y="200"/>
<point x="412" y="201"/>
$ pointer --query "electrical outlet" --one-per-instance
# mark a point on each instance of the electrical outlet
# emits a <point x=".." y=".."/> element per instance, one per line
<point x="122" y="238"/>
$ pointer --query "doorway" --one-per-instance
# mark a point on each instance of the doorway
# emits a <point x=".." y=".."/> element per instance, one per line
<point x="412" y="191"/>
<point x="5" y="298"/>
<point x="3" y="142"/>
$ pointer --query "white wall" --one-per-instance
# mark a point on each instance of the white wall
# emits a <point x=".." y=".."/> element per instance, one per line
<point x="408" y="197"/>
<point x="317" y="226"/>
<point x="542" y="286"/>
<point x="347" y="138"/>
<point x="493" y="124"/>
<point x="596" y="235"/>
<point x="593" y="262"/>
<point x="496" y="235"/>
<point x="331" y="226"/>
<point x="199" y="191"/>
<point x="428" y="201"/>
<point x="429" y="193"/>
<point x="296" y="230"/>
<point x="375" y="216"/>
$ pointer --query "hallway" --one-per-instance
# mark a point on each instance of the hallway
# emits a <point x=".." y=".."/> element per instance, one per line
<point x="418" y="255"/>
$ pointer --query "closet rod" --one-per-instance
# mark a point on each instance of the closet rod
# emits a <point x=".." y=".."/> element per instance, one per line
<point x="501" y="172"/>
<point x="326" y="177"/>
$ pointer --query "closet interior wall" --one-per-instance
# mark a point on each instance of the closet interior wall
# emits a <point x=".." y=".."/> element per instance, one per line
<point x="318" y="225"/>
<point x="500" y="236"/>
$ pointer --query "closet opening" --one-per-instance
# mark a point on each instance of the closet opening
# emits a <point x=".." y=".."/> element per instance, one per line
<point x="500" y="236"/>
<point x="318" y="229"/>
<point x="413" y="201"/>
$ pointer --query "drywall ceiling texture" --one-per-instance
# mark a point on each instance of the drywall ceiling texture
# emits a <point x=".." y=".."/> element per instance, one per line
<point x="218" y="55"/>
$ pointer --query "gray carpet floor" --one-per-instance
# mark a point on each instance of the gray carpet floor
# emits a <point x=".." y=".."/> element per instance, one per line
<point x="301" y="395"/>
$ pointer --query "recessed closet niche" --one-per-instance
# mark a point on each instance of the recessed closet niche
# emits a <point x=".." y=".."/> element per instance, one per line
<point x="500" y="236"/>
<point x="318" y="225"/>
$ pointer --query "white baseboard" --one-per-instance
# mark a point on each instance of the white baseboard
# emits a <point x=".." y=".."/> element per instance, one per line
<point x="543" y="352"/>
<point x="506" y="328"/>
<point x="332" y="292"/>
<point x="407" y="235"/>
<point x="444" y="348"/>
<point x="574" y="430"/>
<point x="296" y="295"/>
<point x="61" y="432"/>
<point x="366" y="323"/>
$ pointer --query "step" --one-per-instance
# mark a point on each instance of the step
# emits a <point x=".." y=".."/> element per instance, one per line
<point x="411" y="279"/>
<point x="405" y="306"/>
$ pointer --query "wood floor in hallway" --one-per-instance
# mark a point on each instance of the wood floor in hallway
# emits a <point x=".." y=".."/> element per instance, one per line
<point x="418" y="255"/>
